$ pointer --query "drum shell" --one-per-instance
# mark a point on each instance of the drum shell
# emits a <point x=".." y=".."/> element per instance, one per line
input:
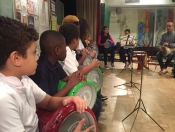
<point x="100" y="78"/>
<point x="87" y="61"/>
<point x="52" y="121"/>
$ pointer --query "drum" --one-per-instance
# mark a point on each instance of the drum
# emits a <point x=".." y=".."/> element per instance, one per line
<point x="96" y="76"/>
<point x="87" y="61"/>
<point x="108" y="44"/>
<point x="65" y="119"/>
<point x="94" y="47"/>
<point x="86" y="91"/>
<point x="140" y="56"/>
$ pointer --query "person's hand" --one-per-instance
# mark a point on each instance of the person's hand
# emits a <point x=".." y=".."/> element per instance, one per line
<point x="105" y="44"/>
<point x="78" y="51"/>
<point x="80" y="124"/>
<point x="84" y="53"/>
<point x="165" y="44"/>
<point x="160" y="48"/>
<point x="81" y="105"/>
<point x="95" y="63"/>
<point x="75" y="78"/>
<point x="80" y="75"/>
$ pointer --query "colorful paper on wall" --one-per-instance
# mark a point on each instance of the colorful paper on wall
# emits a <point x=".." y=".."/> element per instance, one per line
<point x="54" y="23"/>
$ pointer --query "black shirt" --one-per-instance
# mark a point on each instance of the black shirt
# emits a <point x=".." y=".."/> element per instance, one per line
<point x="47" y="75"/>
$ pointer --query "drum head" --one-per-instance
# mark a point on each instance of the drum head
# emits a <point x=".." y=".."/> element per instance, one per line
<point x="65" y="119"/>
<point x="108" y="44"/>
<point x="96" y="76"/>
<point x="86" y="91"/>
<point x="87" y="61"/>
<point x="71" y="122"/>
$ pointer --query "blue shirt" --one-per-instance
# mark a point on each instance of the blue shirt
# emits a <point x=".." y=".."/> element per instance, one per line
<point x="47" y="75"/>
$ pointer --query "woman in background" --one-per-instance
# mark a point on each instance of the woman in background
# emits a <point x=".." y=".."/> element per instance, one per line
<point x="104" y="39"/>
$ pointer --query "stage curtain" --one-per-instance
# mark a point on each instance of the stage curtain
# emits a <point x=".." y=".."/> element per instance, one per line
<point x="89" y="10"/>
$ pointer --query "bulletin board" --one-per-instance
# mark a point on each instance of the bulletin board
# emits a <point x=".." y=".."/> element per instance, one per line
<point x="6" y="8"/>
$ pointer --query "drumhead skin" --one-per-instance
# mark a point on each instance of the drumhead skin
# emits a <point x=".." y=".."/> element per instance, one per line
<point x="96" y="76"/>
<point x="87" y="61"/>
<point x="65" y="119"/>
<point x="86" y="91"/>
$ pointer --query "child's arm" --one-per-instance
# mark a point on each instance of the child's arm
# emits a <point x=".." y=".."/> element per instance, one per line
<point x="53" y="103"/>
<point x="83" y="57"/>
<point x="86" y="69"/>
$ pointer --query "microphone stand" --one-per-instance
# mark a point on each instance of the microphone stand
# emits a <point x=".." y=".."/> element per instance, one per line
<point x="140" y="102"/>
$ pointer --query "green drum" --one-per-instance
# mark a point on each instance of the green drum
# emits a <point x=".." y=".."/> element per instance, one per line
<point x="87" y="91"/>
<point x="96" y="76"/>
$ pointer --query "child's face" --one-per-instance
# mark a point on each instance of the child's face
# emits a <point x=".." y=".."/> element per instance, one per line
<point x="62" y="54"/>
<point x="29" y="63"/>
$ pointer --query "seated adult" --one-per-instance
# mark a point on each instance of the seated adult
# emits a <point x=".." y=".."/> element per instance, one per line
<point x="103" y="38"/>
<point x="168" y="40"/>
<point x="128" y="42"/>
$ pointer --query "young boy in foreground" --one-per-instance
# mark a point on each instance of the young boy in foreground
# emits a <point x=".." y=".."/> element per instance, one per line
<point x="19" y="94"/>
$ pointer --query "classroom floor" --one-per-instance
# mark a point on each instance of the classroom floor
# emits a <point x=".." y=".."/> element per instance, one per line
<point x="158" y="95"/>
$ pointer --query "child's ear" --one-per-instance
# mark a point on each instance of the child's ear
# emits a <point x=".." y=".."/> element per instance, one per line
<point x="57" y="51"/>
<point x="15" y="59"/>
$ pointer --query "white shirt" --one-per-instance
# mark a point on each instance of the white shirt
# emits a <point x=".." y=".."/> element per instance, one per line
<point x="18" y="99"/>
<point x="125" y="38"/>
<point x="80" y="45"/>
<point x="70" y="64"/>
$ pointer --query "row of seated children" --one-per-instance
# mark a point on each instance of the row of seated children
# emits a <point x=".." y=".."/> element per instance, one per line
<point x="19" y="94"/>
<point x="84" y="29"/>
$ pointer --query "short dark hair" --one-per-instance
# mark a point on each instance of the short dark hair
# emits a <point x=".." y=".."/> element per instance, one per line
<point x="127" y="30"/>
<point x="70" y="31"/>
<point x="14" y="36"/>
<point x="84" y="26"/>
<point x="50" y="39"/>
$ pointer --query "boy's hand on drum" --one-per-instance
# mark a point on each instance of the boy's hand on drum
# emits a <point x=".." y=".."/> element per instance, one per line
<point x="95" y="63"/>
<point x="75" y="78"/>
<point x="80" y="124"/>
<point x="80" y="75"/>
<point x="81" y="105"/>
<point x="84" y="52"/>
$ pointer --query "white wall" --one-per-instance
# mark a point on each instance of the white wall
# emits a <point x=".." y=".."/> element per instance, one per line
<point x="119" y="3"/>
<point x="103" y="1"/>
<point x="132" y="20"/>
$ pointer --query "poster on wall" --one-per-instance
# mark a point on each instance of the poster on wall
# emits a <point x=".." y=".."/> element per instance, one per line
<point x="131" y="1"/>
<point x="30" y="7"/>
<point x="145" y="27"/>
<point x="52" y="7"/>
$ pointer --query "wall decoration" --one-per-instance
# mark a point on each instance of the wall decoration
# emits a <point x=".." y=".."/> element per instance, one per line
<point x="145" y="27"/>
<point x="30" y="7"/>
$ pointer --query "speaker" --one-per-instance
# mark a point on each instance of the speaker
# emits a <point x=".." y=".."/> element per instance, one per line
<point x="173" y="0"/>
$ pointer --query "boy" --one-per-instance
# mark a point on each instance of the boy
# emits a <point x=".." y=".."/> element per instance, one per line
<point x="49" y="71"/>
<point x="70" y="64"/>
<point x="19" y="95"/>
